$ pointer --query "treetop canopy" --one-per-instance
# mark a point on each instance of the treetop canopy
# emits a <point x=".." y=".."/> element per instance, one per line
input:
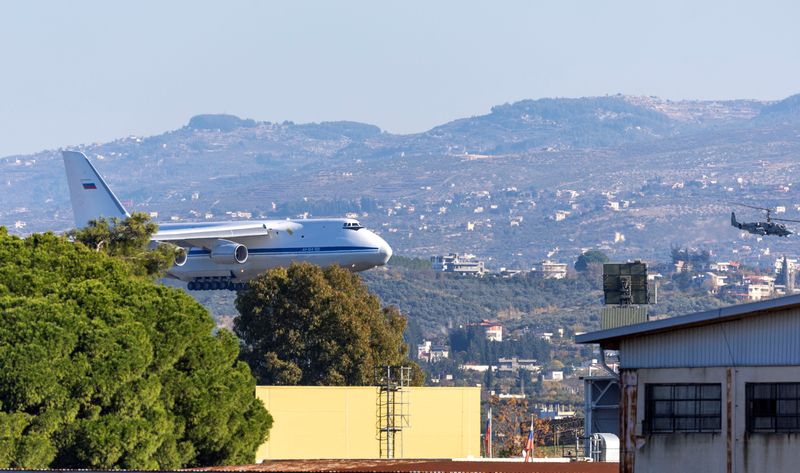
<point x="102" y="368"/>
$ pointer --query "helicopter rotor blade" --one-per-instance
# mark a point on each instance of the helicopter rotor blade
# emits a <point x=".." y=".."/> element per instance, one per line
<point x="752" y="207"/>
<point x="786" y="220"/>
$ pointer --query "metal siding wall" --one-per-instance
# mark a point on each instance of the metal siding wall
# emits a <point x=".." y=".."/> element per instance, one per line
<point x="613" y="316"/>
<point x="771" y="339"/>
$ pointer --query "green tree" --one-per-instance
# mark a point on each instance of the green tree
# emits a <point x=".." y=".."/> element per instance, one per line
<point x="411" y="263"/>
<point x="102" y="368"/>
<point x="129" y="239"/>
<point x="511" y="424"/>
<point x="590" y="257"/>
<point x="303" y="325"/>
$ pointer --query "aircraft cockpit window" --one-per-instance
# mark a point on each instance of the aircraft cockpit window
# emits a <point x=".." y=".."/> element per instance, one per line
<point x="352" y="226"/>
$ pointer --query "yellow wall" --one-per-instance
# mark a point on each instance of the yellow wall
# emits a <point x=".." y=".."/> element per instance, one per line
<point x="341" y="422"/>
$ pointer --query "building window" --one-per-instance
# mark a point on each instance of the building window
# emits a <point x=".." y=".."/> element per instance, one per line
<point x="683" y="408"/>
<point x="773" y="407"/>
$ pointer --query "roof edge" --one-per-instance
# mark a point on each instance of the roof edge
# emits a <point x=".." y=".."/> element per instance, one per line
<point x="708" y="317"/>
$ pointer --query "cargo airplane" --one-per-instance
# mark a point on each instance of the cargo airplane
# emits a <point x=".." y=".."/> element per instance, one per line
<point x="225" y="255"/>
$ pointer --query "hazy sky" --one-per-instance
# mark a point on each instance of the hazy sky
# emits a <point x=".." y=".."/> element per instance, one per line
<point x="81" y="71"/>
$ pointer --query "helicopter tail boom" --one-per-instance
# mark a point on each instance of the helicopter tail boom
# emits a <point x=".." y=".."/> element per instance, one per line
<point x="734" y="223"/>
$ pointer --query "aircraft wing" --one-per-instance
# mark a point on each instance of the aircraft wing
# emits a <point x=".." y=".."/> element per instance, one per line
<point x="207" y="236"/>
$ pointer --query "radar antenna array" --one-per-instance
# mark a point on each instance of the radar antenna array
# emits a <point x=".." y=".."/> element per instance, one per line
<point x="625" y="283"/>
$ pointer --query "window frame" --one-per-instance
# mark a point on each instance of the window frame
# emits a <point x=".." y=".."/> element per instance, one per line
<point x="772" y="404"/>
<point x="695" y="422"/>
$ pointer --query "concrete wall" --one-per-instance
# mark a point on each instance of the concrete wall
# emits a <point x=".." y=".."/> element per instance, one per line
<point x="763" y="451"/>
<point x="730" y="450"/>
<point x="341" y="422"/>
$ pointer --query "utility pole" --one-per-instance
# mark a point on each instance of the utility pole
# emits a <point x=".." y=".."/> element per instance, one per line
<point x="533" y="442"/>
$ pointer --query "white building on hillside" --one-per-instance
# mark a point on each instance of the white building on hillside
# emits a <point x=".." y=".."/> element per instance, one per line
<point x="550" y="270"/>
<point x="455" y="263"/>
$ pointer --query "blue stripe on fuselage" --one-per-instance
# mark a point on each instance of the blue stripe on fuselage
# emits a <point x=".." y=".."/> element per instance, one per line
<point x="308" y="250"/>
<point x="201" y="225"/>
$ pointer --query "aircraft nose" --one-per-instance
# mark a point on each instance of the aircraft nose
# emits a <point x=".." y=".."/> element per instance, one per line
<point x="384" y="250"/>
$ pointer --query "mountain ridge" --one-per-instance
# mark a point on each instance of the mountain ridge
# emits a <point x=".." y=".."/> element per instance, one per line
<point x="529" y="180"/>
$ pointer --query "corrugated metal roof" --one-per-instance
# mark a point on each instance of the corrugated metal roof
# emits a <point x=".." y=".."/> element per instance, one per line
<point x="771" y="339"/>
<point x="611" y="338"/>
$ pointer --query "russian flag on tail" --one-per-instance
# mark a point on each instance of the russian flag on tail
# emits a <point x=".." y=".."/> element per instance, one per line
<point x="89" y="185"/>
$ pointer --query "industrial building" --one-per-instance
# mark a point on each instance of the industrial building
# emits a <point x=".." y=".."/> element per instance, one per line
<point x="352" y="422"/>
<point x="714" y="391"/>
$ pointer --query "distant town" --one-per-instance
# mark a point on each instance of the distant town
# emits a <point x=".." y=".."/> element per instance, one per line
<point x="645" y="175"/>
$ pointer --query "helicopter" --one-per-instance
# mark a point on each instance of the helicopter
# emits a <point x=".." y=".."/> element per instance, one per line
<point x="763" y="228"/>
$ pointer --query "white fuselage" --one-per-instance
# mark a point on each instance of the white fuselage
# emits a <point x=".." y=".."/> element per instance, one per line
<point x="228" y="254"/>
<point x="323" y="242"/>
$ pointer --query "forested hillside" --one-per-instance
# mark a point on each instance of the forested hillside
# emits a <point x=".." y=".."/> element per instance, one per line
<point x="435" y="302"/>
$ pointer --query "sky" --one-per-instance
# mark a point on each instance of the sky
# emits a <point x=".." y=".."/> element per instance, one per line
<point x="91" y="71"/>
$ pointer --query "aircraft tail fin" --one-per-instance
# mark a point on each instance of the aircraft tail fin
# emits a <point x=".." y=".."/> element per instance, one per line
<point x="734" y="223"/>
<point x="90" y="195"/>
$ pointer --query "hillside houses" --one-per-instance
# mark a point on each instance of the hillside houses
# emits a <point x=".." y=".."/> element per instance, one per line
<point x="729" y="278"/>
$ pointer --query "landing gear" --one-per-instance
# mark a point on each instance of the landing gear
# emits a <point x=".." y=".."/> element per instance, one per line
<point x="215" y="284"/>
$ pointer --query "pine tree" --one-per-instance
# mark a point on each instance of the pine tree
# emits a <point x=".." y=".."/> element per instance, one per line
<point x="100" y="367"/>
<point x="303" y="325"/>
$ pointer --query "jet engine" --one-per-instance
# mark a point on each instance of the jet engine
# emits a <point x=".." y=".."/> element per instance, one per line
<point x="228" y="252"/>
<point x="181" y="256"/>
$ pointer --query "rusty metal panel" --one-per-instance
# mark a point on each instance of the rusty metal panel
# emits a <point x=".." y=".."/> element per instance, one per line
<point x="630" y="393"/>
<point x="729" y="420"/>
<point x="616" y="316"/>
<point x="771" y="339"/>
